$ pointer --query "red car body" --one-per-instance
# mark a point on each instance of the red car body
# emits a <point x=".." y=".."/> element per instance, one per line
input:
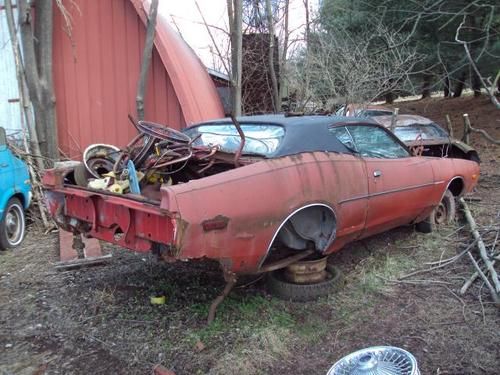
<point x="237" y="216"/>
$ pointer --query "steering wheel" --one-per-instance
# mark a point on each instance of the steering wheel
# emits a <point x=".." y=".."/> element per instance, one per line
<point x="162" y="132"/>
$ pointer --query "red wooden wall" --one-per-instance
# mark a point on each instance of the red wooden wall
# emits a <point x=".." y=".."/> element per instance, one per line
<point x="96" y="67"/>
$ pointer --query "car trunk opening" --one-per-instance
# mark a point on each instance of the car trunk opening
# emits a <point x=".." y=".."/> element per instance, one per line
<point x="159" y="156"/>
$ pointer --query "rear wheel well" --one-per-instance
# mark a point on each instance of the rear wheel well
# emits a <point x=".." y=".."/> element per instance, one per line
<point x="309" y="227"/>
<point x="312" y="225"/>
<point x="20" y="197"/>
<point x="456" y="186"/>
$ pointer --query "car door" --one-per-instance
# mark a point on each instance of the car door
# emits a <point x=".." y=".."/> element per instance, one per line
<point x="347" y="181"/>
<point x="398" y="184"/>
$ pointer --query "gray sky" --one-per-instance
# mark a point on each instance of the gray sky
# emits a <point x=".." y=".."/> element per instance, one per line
<point x="184" y="16"/>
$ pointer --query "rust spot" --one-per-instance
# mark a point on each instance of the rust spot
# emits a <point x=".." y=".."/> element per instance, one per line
<point x="180" y="232"/>
<point x="217" y="223"/>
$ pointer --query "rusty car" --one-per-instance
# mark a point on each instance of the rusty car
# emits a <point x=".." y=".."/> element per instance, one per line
<point x="425" y="137"/>
<point x="240" y="191"/>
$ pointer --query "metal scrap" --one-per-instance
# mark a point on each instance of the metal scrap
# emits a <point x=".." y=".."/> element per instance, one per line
<point x="149" y="160"/>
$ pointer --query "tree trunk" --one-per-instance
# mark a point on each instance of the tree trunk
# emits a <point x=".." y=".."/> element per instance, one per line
<point x="37" y="55"/>
<point x="459" y="86"/>
<point x="446" y="90"/>
<point x="307" y="74"/>
<point x="235" y="10"/>
<point x="389" y="97"/>
<point x="284" y="52"/>
<point x="32" y="149"/>
<point x="426" y="86"/>
<point x="271" y="62"/>
<point x="476" y="85"/>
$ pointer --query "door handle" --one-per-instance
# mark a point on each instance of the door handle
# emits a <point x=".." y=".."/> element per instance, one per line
<point x="377" y="173"/>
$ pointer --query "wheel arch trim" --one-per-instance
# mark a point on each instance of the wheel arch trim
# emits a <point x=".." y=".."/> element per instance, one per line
<point x="283" y="222"/>
<point x="453" y="179"/>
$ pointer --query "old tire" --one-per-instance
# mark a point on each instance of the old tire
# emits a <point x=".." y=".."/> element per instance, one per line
<point x="279" y="287"/>
<point x="82" y="175"/>
<point x="444" y="213"/>
<point x="12" y="225"/>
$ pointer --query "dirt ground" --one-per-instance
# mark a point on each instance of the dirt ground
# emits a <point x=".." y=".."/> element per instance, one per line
<point x="99" y="320"/>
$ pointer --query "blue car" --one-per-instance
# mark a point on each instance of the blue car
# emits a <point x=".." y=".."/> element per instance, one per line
<point x="15" y="196"/>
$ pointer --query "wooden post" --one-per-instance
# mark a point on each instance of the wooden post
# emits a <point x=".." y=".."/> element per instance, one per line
<point x="393" y="120"/>
<point x="449" y="125"/>
<point x="466" y="136"/>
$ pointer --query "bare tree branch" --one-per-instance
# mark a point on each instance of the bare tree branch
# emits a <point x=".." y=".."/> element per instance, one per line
<point x="209" y="31"/>
<point x="489" y="90"/>
<point x="146" y="59"/>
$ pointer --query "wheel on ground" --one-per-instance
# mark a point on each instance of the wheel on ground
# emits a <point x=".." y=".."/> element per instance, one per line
<point x="281" y="288"/>
<point x="12" y="225"/>
<point x="444" y="213"/>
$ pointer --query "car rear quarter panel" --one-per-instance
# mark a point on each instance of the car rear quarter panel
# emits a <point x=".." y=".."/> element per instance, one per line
<point x="256" y="199"/>
<point x="448" y="169"/>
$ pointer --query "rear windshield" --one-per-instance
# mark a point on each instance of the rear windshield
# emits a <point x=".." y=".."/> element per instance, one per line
<point x="411" y="132"/>
<point x="260" y="139"/>
<point x="374" y="113"/>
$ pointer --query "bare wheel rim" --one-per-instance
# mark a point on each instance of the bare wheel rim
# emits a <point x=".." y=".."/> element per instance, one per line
<point x="441" y="215"/>
<point x="14" y="225"/>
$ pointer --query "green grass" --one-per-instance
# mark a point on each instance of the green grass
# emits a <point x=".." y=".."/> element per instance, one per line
<point x="252" y="332"/>
<point x="242" y="314"/>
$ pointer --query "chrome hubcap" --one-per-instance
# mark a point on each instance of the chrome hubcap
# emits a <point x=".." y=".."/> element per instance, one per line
<point x="441" y="213"/>
<point x="14" y="225"/>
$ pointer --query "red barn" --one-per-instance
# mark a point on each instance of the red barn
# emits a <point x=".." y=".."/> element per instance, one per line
<point x="96" y="68"/>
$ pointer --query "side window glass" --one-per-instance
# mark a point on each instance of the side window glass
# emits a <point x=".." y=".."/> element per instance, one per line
<point x="373" y="142"/>
<point x="344" y="137"/>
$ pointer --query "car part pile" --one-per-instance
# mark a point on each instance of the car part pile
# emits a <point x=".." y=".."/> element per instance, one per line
<point x="153" y="157"/>
<point x="387" y="360"/>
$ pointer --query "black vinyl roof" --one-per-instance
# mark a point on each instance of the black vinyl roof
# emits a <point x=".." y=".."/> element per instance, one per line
<point x="302" y="133"/>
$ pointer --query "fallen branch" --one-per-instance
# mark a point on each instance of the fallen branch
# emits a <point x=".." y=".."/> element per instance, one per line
<point x="483" y="253"/>
<point x="440" y="264"/>
<point x="469" y="282"/>
<point x="230" y="282"/>
<point x="494" y="295"/>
